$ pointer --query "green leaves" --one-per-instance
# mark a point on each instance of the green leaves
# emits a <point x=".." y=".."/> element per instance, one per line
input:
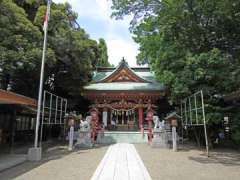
<point x="187" y="42"/>
<point x="71" y="55"/>
<point x="19" y="37"/>
<point x="103" y="59"/>
<point x="190" y="45"/>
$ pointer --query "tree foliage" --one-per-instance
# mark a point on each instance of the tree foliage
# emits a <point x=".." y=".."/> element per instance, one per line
<point x="103" y="59"/>
<point x="71" y="54"/>
<point x="75" y="53"/>
<point x="19" y="47"/>
<point x="191" y="45"/>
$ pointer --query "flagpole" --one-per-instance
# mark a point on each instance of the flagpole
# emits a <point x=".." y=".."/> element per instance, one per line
<point x="42" y="75"/>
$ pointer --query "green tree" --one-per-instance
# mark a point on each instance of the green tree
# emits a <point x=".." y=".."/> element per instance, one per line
<point x="19" y="48"/>
<point x="191" y="45"/>
<point x="76" y="54"/>
<point x="71" y="55"/>
<point x="103" y="55"/>
<point x="30" y="6"/>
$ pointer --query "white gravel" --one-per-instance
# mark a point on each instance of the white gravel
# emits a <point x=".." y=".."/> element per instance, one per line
<point x="59" y="164"/>
<point x="162" y="164"/>
<point x="190" y="164"/>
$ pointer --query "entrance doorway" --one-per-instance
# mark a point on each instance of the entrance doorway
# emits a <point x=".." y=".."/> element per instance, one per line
<point x="123" y="120"/>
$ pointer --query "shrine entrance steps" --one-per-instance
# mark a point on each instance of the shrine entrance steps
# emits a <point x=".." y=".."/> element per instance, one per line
<point x="111" y="137"/>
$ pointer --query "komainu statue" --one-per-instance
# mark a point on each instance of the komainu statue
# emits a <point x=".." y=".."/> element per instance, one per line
<point x="156" y="122"/>
<point x="85" y="125"/>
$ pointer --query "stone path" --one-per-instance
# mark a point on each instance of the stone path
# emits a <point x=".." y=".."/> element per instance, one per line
<point x="121" y="162"/>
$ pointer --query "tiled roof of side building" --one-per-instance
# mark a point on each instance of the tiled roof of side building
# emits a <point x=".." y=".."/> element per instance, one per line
<point x="7" y="97"/>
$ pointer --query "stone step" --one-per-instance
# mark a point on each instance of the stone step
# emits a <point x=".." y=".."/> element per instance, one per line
<point x="111" y="137"/>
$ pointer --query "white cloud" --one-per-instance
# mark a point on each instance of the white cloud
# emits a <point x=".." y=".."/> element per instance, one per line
<point x="119" y="42"/>
<point x="119" y="48"/>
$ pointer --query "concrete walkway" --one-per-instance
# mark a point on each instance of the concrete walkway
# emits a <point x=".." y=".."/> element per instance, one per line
<point x="121" y="162"/>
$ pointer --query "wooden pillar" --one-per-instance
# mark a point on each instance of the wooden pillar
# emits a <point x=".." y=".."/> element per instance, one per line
<point x="149" y="118"/>
<point x="140" y="117"/>
<point x="13" y="129"/>
<point x="94" y="122"/>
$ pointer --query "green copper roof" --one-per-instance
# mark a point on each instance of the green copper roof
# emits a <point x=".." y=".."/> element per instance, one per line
<point x="149" y="84"/>
<point x="125" y="86"/>
<point x="143" y="73"/>
<point x="100" y="75"/>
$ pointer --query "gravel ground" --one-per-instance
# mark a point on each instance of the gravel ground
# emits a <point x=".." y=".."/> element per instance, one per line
<point x="58" y="164"/>
<point x="189" y="163"/>
<point x="162" y="164"/>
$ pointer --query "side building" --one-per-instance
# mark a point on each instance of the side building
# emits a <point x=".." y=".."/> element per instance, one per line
<point x="17" y="120"/>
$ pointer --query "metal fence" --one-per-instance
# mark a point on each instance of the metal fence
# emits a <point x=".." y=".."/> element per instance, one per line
<point x="193" y="114"/>
<point x="53" y="111"/>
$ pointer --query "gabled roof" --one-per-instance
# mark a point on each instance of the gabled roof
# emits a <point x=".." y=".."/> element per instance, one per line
<point x="172" y="115"/>
<point x="122" y="73"/>
<point x="7" y="97"/>
<point x="124" y="78"/>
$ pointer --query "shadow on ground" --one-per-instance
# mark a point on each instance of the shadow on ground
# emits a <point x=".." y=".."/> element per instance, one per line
<point x="222" y="156"/>
<point x="53" y="152"/>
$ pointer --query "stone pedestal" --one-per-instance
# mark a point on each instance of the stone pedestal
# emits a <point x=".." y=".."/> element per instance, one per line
<point x="160" y="139"/>
<point x="84" y="140"/>
<point x="34" y="154"/>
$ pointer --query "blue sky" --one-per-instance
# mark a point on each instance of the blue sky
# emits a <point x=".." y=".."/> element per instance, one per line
<point x="94" y="17"/>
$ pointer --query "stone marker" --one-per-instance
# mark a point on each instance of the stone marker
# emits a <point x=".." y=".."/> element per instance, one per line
<point x="71" y="134"/>
<point x="174" y="138"/>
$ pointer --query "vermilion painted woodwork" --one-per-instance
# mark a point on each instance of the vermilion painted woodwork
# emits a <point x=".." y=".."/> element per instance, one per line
<point x="140" y="117"/>
<point x="109" y="96"/>
<point x="149" y="118"/>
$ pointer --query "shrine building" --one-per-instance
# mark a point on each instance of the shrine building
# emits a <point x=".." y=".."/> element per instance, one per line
<point x="122" y="96"/>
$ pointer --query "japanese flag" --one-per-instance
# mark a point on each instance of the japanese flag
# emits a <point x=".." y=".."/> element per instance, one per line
<point x="47" y="16"/>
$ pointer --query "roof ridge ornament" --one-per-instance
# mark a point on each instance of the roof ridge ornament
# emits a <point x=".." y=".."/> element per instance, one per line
<point x="123" y="61"/>
<point x="123" y="73"/>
